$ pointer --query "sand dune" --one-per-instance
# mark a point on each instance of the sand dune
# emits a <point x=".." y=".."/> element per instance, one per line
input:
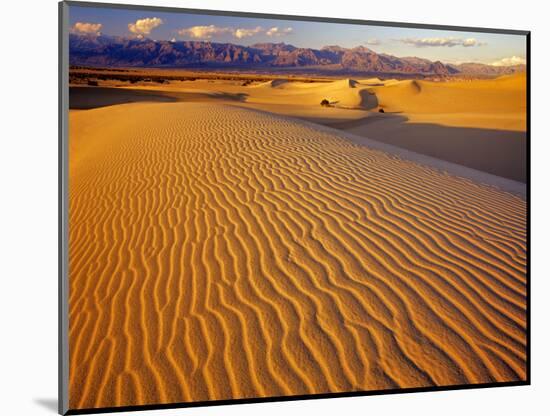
<point x="218" y="252"/>
<point x="489" y="104"/>
<point x="274" y="83"/>
<point x="492" y="104"/>
<point x="344" y="93"/>
<point x="479" y="124"/>
<point x="84" y="98"/>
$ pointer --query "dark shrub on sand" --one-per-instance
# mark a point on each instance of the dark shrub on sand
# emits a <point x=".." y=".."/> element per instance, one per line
<point x="381" y="110"/>
<point x="325" y="103"/>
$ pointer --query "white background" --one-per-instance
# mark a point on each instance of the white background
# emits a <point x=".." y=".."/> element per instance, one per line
<point x="28" y="205"/>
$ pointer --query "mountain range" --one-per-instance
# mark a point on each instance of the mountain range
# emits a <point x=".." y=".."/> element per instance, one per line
<point x="115" y="51"/>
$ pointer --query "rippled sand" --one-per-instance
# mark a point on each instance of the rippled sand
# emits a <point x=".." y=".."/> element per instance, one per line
<point x="221" y="253"/>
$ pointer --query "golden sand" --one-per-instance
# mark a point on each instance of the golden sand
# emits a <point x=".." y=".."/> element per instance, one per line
<point x="221" y="253"/>
<point x="480" y="124"/>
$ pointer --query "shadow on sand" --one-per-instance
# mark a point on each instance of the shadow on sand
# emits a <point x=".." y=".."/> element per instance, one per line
<point x="85" y="98"/>
<point x="499" y="152"/>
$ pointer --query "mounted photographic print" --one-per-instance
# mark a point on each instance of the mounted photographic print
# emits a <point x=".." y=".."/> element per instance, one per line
<point x="261" y="207"/>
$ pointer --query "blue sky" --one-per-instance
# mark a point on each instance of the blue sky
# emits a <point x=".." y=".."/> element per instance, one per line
<point x="446" y="46"/>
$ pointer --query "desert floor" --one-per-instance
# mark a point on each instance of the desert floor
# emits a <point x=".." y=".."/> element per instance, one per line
<point x="221" y="247"/>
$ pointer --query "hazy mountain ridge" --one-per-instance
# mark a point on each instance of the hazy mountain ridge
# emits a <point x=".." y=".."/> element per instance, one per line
<point x="131" y="52"/>
<point x="474" y="68"/>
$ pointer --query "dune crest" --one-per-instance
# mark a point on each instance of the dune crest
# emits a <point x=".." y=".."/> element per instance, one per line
<point x="274" y="83"/>
<point x="223" y="253"/>
<point x="348" y="82"/>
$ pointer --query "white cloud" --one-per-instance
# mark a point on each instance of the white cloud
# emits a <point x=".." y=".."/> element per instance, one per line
<point x="144" y="26"/>
<point x="276" y="31"/>
<point x="373" y="42"/>
<point x="211" y="31"/>
<point x="244" y="33"/>
<point x="204" y="32"/>
<point x="513" y="60"/>
<point x="83" y="27"/>
<point x="441" y="42"/>
<point x="469" y="42"/>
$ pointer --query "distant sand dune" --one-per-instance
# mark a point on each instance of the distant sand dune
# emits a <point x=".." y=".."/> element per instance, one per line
<point x="491" y="100"/>
<point x="344" y="93"/>
<point x="223" y="253"/>
<point x="274" y="83"/>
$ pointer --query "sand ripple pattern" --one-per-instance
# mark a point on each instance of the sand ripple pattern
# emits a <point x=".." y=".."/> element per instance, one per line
<point x="221" y="253"/>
